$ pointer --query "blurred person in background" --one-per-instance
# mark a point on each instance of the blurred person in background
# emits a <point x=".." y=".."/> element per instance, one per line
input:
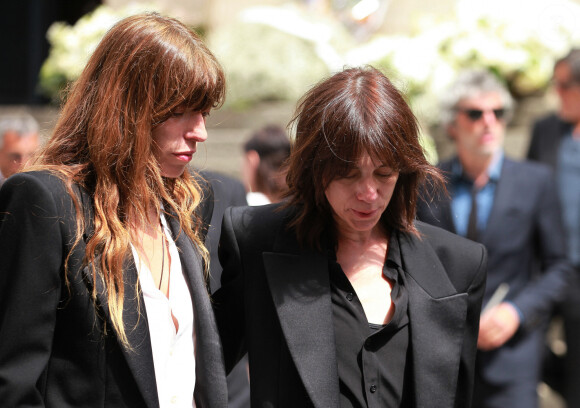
<point x="19" y="140"/>
<point x="512" y="208"/>
<point x="103" y="296"/>
<point x="556" y="142"/>
<point x="262" y="170"/>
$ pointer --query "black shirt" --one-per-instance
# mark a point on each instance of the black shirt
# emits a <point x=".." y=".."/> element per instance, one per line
<point x="373" y="365"/>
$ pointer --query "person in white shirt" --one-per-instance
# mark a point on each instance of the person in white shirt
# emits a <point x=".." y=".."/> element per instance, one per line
<point x="263" y="167"/>
<point x="103" y="273"/>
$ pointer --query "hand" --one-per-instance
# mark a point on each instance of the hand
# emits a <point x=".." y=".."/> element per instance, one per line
<point x="497" y="326"/>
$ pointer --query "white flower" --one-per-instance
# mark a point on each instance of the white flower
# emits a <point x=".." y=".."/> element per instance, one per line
<point x="71" y="46"/>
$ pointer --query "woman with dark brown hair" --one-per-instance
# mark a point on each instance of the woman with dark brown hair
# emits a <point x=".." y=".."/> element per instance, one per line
<point x="339" y="296"/>
<point x="103" y="298"/>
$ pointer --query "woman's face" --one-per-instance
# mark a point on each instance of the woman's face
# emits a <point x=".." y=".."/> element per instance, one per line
<point x="176" y="140"/>
<point x="359" y="199"/>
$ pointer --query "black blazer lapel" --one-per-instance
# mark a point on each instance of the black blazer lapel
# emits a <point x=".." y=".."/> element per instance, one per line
<point x="300" y="287"/>
<point x="210" y="386"/>
<point x="504" y="203"/>
<point x="437" y="315"/>
<point x="140" y="357"/>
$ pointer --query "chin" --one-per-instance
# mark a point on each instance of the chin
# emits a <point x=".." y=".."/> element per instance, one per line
<point x="173" y="173"/>
<point x="365" y="225"/>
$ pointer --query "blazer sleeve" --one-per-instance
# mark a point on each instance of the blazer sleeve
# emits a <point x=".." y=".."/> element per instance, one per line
<point x="537" y="299"/>
<point x="228" y="301"/>
<point x="475" y="292"/>
<point x="31" y="266"/>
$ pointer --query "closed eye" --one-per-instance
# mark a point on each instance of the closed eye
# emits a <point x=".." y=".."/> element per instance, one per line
<point x="350" y="175"/>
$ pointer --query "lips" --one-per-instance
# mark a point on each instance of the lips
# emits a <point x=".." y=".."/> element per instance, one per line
<point x="488" y="136"/>
<point x="184" y="156"/>
<point x="364" y="214"/>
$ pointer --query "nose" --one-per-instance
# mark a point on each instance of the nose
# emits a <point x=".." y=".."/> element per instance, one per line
<point x="367" y="190"/>
<point x="196" y="130"/>
<point x="489" y="117"/>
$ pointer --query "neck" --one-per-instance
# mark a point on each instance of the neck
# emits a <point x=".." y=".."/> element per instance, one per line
<point x="148" y="226"/>
<point x="355" y="251"/>
<point x="356" y="238"/>
<point x="475" y="167"/>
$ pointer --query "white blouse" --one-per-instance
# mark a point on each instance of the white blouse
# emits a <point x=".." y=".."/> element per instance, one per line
<point x="173" y="352"/>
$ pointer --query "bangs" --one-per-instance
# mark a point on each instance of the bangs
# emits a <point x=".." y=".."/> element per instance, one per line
<point x="345" y="140"/>
<point x="202" y="89"/>
<point x="194" y="81"/>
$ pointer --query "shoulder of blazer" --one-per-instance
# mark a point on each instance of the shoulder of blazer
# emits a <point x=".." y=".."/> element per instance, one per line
<point x="53" y="186"/>
<point x="46" y="178"/>
<point x="530" y="172"/>
<point x="550" y="126"/>
<point x="460" y="257"/>
<point x="265" y="225"/>
<point x="439" y="237"/>
<point x="256" y="216"/>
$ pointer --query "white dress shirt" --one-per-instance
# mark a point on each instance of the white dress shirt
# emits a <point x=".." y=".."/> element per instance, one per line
<point x="173" y="351"/>
<point x="255" y="198"/>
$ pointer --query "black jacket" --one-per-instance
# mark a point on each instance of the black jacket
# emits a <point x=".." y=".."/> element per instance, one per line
<point x="57" y="349"/>
<point x="275" y="303"/>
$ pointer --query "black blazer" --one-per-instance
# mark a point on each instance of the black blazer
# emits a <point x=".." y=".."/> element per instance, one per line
<point x="227" y="192"/>
<point x="547" y="134"/>
<point x="57" y="347"/>
<point x="275" y="303"/>
<point x="525" y="241"/>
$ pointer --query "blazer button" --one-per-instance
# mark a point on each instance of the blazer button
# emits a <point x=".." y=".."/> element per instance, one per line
<point x="373" y="388"/>
<point x="349" y="296"/>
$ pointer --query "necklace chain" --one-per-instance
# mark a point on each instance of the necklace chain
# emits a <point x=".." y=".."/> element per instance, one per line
<point x="164" y="247"/>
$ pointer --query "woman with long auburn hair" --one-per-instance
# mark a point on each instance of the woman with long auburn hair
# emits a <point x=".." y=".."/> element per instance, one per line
<point x="103" y="297"/>
<point x="339" y="296"/>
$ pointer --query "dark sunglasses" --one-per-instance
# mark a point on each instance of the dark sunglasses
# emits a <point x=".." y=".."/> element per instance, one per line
<point x="476" y="114"/>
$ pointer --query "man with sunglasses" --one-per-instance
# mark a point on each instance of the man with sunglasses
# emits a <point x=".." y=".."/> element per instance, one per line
<point x="556" y="142"/>
<point x="511" y="207"/>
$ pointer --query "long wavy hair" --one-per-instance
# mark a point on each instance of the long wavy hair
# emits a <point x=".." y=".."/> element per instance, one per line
<point x="144" y="68"/>
<point x="354" y="111"/>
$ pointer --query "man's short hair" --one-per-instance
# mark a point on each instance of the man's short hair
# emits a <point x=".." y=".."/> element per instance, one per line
<point x="23" y="124"/>
<point x="573" y="60"/>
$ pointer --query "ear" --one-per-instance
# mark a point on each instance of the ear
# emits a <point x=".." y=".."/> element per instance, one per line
<point x="250" y="168"/>
<point x="451" y="130"/>
<point x="253" y="159"/>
